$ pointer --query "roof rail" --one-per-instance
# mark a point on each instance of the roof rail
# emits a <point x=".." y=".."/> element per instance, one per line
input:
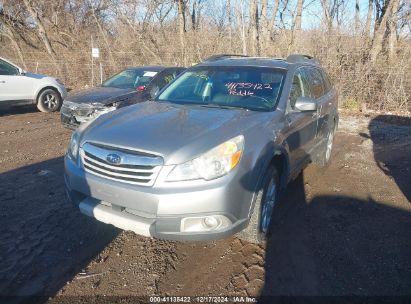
<point x="294" y="58"/>
<point x="221" y="56"/>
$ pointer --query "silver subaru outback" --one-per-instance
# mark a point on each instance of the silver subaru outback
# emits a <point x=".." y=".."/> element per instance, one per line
<point x="208" y="157"/>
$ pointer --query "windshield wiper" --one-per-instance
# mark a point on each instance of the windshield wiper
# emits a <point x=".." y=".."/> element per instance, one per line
<point x="217" y="106"/>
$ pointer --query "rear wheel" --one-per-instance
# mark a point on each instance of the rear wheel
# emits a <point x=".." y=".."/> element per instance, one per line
<point x="49" y="100"/>
<point x="325" y="156"/>
<point x="265" y="205"/>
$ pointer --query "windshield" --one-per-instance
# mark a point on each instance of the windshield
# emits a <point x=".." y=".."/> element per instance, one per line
<point x="253" y="88"/>
<point x="130" y="79"/>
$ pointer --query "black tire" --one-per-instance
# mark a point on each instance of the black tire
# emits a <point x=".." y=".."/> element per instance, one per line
<point x="325" y="155"/>
<point x="258" y="228"/>
<point x="49" y="100"/>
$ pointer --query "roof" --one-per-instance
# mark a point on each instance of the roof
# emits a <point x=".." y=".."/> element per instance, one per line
<point x="154" y="68"/>
<point x="249" y="61"/>
<point x="243" y="60"/>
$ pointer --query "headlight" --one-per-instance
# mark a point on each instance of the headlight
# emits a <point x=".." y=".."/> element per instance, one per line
<point x="213" y="164"/>
<point x="74" y="145"/>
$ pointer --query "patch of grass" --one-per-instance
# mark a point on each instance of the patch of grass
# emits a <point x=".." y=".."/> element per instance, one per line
<point x="352" y="104"/>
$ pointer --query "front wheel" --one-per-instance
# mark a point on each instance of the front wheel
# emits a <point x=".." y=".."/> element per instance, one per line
<point x="49" y="101"/>
<point x="265" y="204"/>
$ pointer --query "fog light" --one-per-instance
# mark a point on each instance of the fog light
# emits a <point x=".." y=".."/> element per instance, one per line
<point x="210" y="222"/>
<point x="204" y="223"/>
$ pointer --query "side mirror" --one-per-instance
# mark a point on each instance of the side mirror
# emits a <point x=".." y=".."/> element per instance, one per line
<point x="22" y="72"/>
<point x="305" y="103"/>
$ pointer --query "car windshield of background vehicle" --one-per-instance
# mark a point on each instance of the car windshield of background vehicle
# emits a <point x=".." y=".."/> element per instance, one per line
<point x="130" y="79"/>
<point x="253" y="88"/>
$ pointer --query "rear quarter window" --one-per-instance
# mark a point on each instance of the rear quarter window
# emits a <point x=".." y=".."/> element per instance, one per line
<point x="316" y="81"/>
<point x="327" y="81"/>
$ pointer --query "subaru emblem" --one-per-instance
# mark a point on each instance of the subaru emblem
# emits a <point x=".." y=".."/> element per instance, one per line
<point x="113" y="159"/>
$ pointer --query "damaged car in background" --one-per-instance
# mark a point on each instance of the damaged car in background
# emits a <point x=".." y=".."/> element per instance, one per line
<point x="128" y="87"/>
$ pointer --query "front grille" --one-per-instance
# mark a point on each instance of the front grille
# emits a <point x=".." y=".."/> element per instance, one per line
<point x="77" y="109"/>
<point x="134" y="167"/>
<point x="84" y="112"/>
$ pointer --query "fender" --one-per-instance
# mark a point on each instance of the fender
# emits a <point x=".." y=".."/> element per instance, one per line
<point x="263" y="162"/>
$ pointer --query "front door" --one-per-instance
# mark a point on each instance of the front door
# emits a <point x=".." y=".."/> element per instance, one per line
<point x="302" y="126"/>
<point x="13" y="85"/>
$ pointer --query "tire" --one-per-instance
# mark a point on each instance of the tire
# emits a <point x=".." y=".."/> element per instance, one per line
<point x="325" y="156"/>
<point x="265" y="204"/>
<point x="49" y="100"/>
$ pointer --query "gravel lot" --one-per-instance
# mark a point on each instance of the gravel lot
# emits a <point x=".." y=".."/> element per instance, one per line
<point x="342" y="230"/>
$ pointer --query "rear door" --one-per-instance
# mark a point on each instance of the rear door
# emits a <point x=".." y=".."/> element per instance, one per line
<point x="302" y="126"/>
<point x="323" y="94"/>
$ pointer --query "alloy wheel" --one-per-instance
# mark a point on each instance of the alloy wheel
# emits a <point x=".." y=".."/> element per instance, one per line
<point x="268" y="206"/>
<point x="329" y="147"/>
<point x="50" y="101"/>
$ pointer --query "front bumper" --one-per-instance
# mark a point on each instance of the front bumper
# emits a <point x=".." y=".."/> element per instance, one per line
<point x="74" y="115"/>
<point x="69" y="121"/>
<point x="158" y="211"/>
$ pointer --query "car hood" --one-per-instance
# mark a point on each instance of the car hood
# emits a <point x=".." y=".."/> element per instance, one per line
<point x="176" y="132"/>
<point x="101" y="95"/>
<point x="36" y="76"/>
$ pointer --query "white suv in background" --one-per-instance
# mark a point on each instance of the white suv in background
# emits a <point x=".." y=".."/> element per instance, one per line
<point x="20" y="87"/>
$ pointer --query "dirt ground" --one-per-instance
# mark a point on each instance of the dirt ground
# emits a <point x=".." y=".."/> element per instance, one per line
<point x="341" y="230"/>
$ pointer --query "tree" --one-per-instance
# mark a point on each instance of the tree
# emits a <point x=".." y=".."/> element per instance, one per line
<point x="267" y="23"/>
<point x="386" y="14"/>
<point x="392" y="30"/>
<point x="40" y="28"/>
<point x="367" y="27"/>
<point x="7" y="25"/>
<point x="182" y="28"/>
<point x="357" y="17"/>
<point x="254" y="30"/>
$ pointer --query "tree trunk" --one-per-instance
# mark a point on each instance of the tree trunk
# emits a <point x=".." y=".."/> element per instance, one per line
<point x="267" y="24"/>
<point x="357" y="17"/>
<point x="271" y="23"/>
<point x="377" y="44"/>
<point x="8" y="32"/>
<point x="230" y="32"/>
<point x="254" y="28"/>
<point x="41" y="30"/>
<point x="194" y="16"/>
<point x="297" y="23"/>
<point x="104" y="35"/>
<point x="392" y="31"/>
<point x="367" y="27"/>
<point x="241" y="24"/>
<point x="328" y="18"/>
<point x="264" y="22"/>
<point x="182" y="29"/>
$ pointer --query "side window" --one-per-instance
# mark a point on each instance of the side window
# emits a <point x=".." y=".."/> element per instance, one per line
<point x="299" y="88"/>
<point x="316" y="82"/>
<point x="162" y="80"/>
<point x="7" y="69"/>
<point x="327" y="81"/>
<point x="165" y="78"/>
